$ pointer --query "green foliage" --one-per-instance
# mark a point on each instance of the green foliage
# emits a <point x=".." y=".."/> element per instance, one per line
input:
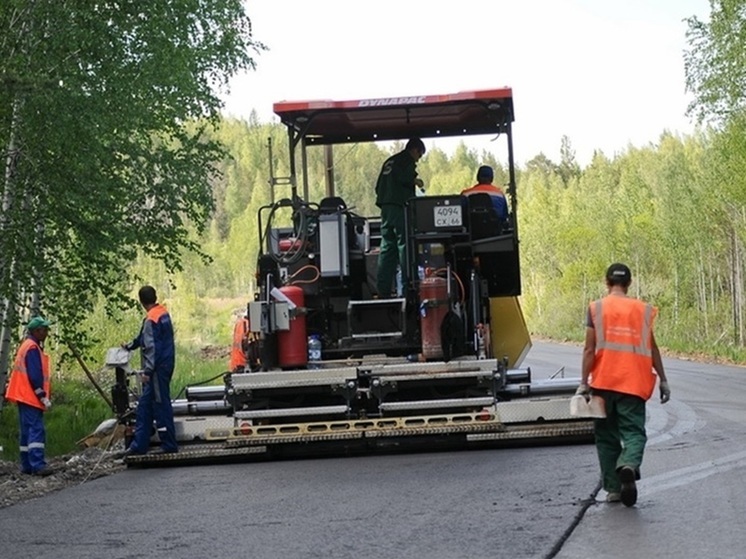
<point x="674" y="212"/>
<point x="107" y="110"/>
<point x="196" y="368"/>
<point x="716" y="73"/>
<point x="715" y="61"/>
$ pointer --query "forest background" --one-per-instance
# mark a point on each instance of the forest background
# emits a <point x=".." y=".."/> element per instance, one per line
<point x="675" y="211"/>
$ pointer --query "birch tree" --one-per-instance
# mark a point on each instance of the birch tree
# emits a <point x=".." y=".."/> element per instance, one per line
<point x="103" y="112"/>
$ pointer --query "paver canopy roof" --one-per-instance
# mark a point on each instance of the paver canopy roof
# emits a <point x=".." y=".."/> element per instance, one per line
<point x="391" y="118"/>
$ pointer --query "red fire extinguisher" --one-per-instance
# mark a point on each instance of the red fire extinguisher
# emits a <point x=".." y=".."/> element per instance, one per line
<point x="292" y="344"/>
<point x="433" y="308"/>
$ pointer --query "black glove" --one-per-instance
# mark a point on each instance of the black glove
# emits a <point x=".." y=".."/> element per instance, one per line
<point x="665" y="391"/>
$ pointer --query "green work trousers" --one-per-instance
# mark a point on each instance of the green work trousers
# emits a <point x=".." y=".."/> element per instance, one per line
<point x="393" y="249"/>
<point x="620" y="437"/>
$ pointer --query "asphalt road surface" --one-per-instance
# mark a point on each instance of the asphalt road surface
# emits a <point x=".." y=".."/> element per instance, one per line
<point x="538" y="502"/>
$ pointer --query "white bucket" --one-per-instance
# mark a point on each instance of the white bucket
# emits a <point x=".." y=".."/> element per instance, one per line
<point x="580" y="407"/>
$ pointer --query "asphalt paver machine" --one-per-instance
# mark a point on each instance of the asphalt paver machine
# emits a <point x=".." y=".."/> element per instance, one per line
<point x="436" y="365"/>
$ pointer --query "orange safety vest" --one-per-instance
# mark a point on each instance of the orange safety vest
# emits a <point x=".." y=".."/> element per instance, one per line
<point x="238" y="357"/>
<point x="19" y="386"/>
<point x="156" y="312"/>
<point x="624" y="352"/>
<point x="486" y="188"/>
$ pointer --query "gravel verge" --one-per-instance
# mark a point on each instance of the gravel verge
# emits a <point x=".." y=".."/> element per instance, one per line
<point x="69" y="470"/>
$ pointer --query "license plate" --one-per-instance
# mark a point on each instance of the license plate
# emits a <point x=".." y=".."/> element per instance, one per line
<point x="447" y="216"/>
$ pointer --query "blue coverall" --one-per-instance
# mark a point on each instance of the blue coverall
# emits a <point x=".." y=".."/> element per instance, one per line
<point x="156" y="343"/>
<point x="31" y="419"/>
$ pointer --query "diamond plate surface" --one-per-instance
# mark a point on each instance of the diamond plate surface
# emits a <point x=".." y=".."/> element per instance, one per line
<point x="550" y="430"/>
<point x="192" y="452"/>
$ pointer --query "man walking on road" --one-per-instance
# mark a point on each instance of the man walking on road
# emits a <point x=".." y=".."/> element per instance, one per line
<point x="156" y="343"/>
<point x="619" y="357"/>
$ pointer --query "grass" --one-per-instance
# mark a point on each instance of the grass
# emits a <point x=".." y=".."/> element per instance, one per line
<point x="78" y="408"/>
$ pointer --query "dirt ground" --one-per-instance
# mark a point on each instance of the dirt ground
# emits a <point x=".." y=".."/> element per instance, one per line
<point x="74" y="468"/>
<point x="69" y="470"/>
<point x="96" y="458"/>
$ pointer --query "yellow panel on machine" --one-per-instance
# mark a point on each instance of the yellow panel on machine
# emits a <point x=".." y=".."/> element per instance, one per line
<point x="508" y="332"/>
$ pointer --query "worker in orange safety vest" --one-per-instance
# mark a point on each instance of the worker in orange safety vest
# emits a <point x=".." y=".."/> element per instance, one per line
<point x="485" y="176"/>
<point x="30" y="388"/>
<point x="619" y="358"/>
<point x="238" y="355"/>
<point x="158" y="356"/>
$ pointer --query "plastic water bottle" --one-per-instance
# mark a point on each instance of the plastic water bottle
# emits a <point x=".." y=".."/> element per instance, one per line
<point x="314" y="352"/>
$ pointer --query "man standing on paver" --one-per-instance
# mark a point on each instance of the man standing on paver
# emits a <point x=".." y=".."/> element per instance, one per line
<point x="395" y="185"/>
<point x="619" y="357"/>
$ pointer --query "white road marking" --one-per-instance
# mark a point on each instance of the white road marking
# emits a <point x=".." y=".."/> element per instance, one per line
<point x="686" y="421"/>
<point x="690" y="474"/>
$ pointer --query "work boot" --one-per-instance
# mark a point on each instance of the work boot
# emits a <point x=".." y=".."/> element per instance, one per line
<point x="629" y="488"/>
<point x="122" y="454"/>
<point x="613" y="497"/>
<point x="125" y="453"/>
<point x="44" y="472"/>
<point x="165" y="451"/>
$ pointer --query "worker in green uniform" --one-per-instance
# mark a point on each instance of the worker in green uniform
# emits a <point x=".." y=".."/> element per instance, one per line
<point x="396" y="184"/>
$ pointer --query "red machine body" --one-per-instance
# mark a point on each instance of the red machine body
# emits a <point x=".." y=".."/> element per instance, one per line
<point x="433" y="309"/>
<point x="292" y="344"/>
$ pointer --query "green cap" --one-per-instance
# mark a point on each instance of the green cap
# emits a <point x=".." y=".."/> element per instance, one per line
<point x="37" y="322"/>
